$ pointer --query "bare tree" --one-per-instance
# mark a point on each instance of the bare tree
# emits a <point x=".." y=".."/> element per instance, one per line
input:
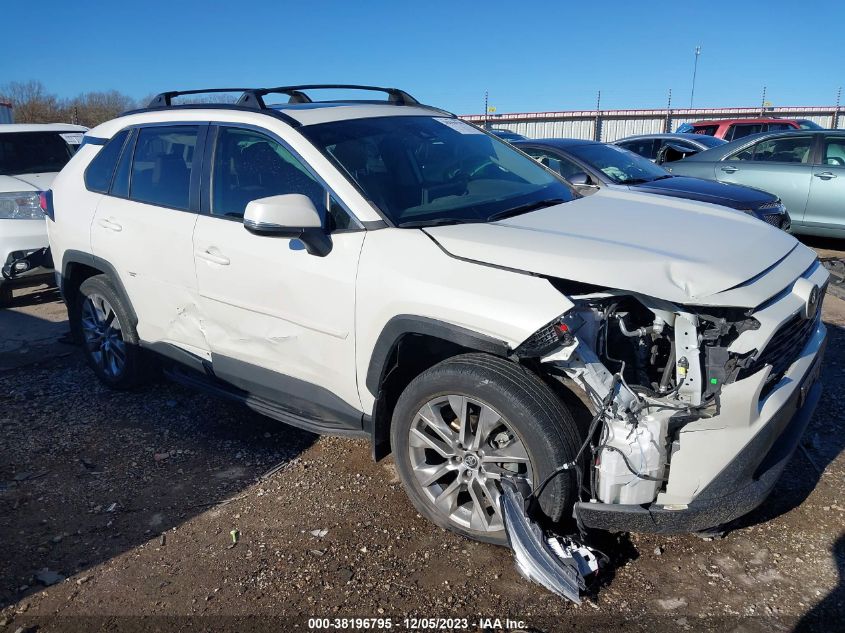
<point x="31" y="103"/>
<point x="92" y="108"/>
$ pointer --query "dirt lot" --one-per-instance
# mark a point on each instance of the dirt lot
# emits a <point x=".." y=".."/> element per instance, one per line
<point x="117" y="512"/>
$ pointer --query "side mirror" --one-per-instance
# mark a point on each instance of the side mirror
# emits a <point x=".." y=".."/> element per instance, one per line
<point x="290" y="215"/>
<point x="579" y="179"/>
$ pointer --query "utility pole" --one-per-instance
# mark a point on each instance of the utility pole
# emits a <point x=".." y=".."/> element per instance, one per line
<point x="668" y="125"/>
<point x="597" y="125"/>
<point x="486" y="123"/>
<point x="763" y="103"/>
<point x="694" y="73"/>
<point x="835" y="122"/>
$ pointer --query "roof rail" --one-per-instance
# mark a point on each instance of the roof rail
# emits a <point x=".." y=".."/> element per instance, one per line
<point x="254" y="97"/>
<point x="165" y="99"/>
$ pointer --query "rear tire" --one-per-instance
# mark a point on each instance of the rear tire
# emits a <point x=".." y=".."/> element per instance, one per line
<point x="109" y="338"/>
<point x="455" y="419"/>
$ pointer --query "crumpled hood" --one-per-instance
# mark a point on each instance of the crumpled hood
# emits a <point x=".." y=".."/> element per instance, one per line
<point x="667" y="248"/>
<point x="27" y="182"/>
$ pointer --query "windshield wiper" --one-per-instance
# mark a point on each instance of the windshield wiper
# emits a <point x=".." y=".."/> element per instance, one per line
<point x="663" y="177"/>
<point x="524" y="208"/>
<point x="411" y="224"/>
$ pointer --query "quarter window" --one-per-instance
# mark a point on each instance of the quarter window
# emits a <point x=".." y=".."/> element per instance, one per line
<point x="249" y="165"/>
<point x="834" y="151"/>
<point x="161" y="170"/>
<point x="778" y="150"/>
<point x="99" y="173"/>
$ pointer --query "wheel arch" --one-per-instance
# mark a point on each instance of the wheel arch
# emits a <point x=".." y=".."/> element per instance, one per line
<point x="78" y="266"/>
<point x="406" y="347"/>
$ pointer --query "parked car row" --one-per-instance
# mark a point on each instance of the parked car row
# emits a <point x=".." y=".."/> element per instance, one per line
<point x="805" y="168"/>
<point x="594" y="164"/>
<point x="792" y="177"/>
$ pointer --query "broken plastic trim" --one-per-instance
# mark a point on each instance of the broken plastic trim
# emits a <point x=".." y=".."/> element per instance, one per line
<point x="559" y="565"/>
<point x="20" y="263"/>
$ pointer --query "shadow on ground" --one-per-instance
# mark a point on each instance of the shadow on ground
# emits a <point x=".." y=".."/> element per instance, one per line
<point x="88" y="473"/>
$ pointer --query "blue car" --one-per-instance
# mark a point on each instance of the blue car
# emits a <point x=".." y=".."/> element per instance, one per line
<point x="590" y="164"/>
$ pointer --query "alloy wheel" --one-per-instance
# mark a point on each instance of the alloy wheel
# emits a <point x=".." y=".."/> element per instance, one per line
<point x="103" y="335"/>
<point x="460" y="448"/>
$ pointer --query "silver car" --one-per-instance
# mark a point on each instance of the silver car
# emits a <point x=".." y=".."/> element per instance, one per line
<point x="805" y="168"/>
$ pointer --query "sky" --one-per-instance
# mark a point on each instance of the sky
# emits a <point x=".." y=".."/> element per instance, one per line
<point x="529" y="56"/>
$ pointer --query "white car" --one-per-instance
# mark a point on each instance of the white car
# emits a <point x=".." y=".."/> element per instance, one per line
<point x="383" y="269"/>
<point x="30" y="157"/>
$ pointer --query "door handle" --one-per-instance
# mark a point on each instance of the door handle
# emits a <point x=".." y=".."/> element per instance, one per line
<point x="825" y="175"/>
<point x="214" y="258"/>
<point x="111" y="226"/>
<point x="729" y="169"/>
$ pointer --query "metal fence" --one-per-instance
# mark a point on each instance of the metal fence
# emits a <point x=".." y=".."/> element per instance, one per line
<point x="610" y="125"/>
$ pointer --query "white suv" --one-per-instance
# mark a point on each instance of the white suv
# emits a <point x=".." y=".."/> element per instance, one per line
<point x="384" y="269"/>
<point x="30" y="157"/>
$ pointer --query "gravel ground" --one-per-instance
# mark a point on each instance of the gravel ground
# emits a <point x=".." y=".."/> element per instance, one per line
<point x="117" y="512"/>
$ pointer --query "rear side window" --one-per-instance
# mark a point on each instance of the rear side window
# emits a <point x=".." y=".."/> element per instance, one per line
<point x="99" y="173"/>
<point x="120" y="182"/>
<point x="739" y="131"/>
<point x="161" y="169"/>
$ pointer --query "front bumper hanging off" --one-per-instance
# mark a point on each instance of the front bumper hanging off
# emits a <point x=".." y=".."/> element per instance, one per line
<point x="559" y="564"/>
<point x="739" y="488"/>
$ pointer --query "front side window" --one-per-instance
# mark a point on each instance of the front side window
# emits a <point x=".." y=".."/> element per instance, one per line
<point x="161" y="169"/>
<point x="618" y="164"/>
<point x="32" y="153"/>
<point x="644" y="147"/>
<point x="249" y="165"/>
<point x="99" y="173"/>
<point x="420" y="170"/>
<point x="834" y="151"/>
<point x="789" y="149"/>
<point x="555" y="162"/>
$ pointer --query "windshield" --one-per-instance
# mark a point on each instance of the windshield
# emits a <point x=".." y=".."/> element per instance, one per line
<point x="620" y="165"/>
<point x="431" y="170"/>
<point x="32" y="153"/>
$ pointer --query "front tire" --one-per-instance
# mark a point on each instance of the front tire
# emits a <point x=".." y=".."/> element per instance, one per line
<point x="109" y="338"/>
<point x="462" y="425"/>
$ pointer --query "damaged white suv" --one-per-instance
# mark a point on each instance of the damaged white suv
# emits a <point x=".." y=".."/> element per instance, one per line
<point x="383" y="269"/>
